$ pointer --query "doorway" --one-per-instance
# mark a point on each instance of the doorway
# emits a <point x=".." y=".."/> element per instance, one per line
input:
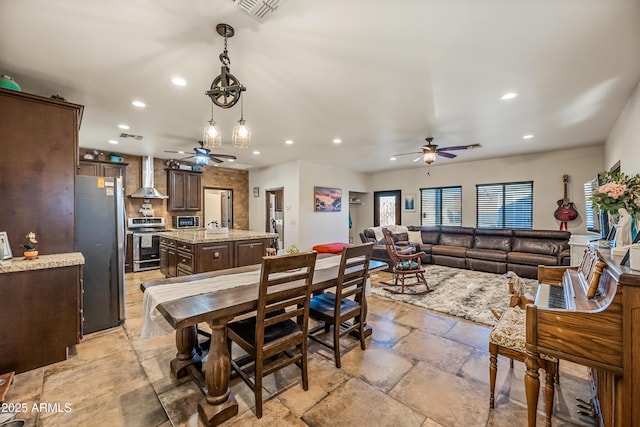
<point x="275" y="215"/>
<point x="218" y="206"/>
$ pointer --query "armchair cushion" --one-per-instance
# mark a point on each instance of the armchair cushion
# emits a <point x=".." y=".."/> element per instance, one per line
<point x="407" y="265"/>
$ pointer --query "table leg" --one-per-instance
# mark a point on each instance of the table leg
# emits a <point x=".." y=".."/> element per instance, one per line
<point x="532" y="387"/>
<point x="186" y="340"/>
<point x="218" y="405"/>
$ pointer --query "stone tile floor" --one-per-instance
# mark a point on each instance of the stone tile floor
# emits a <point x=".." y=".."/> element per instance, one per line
<point x="420" y="369"/>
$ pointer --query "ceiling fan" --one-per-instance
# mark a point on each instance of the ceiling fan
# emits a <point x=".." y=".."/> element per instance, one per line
<point x="430" y="152"/>
<point x="202" y="155"/>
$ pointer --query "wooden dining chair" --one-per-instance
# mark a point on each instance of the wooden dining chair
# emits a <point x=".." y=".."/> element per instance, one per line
<point x="335" y="309"/>
<point x="277" y="335"/>
<point x="405" y="264"/>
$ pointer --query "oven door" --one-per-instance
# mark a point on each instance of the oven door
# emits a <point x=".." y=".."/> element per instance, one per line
<point x="146" y="251"/>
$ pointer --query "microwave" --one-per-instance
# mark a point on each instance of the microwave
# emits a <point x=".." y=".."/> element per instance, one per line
<point x="186" y="221"/>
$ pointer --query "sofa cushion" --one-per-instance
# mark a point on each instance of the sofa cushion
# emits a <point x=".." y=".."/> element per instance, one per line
<point x="400" y="237"/>
<point x="463" y="240"/>
<point x="500" y="240"/>
<point x="529" y="258"/>
<point x="415" y="237"/>
<point x="454" y="251"/>
<point x="537" y="246"/>
<point x="488" y="254"/>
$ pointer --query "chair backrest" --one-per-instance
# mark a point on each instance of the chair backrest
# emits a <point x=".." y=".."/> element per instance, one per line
<point x="353" y="273"/>
<point x="285" y="290"/>
<point x="390" y="244"/>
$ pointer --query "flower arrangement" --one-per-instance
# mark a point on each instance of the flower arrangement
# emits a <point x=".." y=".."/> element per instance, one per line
<point x="32" y="243"/>
<point x="293" y="249"/>
<point x="618" y="190"/>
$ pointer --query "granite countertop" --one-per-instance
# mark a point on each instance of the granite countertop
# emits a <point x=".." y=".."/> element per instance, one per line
<point x="205" y="236"/>
<point x="43" y="262"/>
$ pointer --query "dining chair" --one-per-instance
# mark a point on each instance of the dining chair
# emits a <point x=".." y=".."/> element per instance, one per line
<point x="277" y="335"/>
<point x="405" y="264"/>
<point x="335" y="309"/>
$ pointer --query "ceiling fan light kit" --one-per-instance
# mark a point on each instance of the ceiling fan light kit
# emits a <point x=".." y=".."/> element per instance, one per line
<point x="430" y="152"/>
<point x="225" y="92"/>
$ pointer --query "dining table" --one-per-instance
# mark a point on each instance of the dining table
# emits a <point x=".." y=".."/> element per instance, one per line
<point x="217" y="309"/>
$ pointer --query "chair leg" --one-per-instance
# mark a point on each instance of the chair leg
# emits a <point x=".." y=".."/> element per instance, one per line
<point x="493" y="370"/>
<point x="303" y="366"/>
<point x="257" y="387"/>
<point x="336" y="343"/>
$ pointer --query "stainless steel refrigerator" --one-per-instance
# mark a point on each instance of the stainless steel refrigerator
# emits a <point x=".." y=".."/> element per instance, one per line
<point x="100" y="237"/>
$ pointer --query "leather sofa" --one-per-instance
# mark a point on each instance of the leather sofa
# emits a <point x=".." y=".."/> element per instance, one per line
<point x="482" y="249"/>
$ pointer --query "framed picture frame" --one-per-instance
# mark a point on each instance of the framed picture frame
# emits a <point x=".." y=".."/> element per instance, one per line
<point x="409" y="202"/>
<point x="327" y="199"/>
<point x="5" y="246"/>
<point x="256" y="191"/>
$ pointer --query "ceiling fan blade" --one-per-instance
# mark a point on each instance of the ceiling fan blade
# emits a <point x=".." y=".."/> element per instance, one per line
<point x="177" y="152"/>
<point x="459" y="147"/>
<point x="404" y="154"/>
<point x="417" y="158"/>
<point x="447" y="155"/>
<point x="215" y="159"/>
<point x="224" y="156"/>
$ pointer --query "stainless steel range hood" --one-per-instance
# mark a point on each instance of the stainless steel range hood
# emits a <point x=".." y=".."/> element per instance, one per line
<point x="147" y="191"/>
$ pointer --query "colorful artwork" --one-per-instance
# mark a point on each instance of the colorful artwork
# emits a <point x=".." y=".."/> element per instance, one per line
<point x="328" y="199"/>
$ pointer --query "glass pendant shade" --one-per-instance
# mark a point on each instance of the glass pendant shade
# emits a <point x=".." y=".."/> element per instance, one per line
<point x="211" y="136"/>
<point x="242" y="135"/>
<point x="429" y="157"/>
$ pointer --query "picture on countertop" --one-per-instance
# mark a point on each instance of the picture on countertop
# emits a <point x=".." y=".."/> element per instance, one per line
<point x="5" y="248"/>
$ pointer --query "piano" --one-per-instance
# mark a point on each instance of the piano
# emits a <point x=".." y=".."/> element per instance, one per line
<point x="589" y="315"/>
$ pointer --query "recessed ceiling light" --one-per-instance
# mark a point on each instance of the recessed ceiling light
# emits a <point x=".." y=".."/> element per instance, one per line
<point x="393" y="158"/>
<point x="123" y="126"/>
<point x="181" y="152"/>
<point x="508" y="95"/>
<point x="231" y="160"/>
<point x="138" y="104"/>
<point x="527" y="136"/>
<point x="337" y="141"/>
<point x="178" y="81"/>
<point x="289" y="141"/>
<point x="113" y="141"/>
<point x="256" y="152"/>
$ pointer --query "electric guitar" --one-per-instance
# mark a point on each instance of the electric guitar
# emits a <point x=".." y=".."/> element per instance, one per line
<point x="565" y="210"/>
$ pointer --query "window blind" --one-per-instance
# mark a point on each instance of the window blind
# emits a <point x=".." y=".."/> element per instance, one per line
<point x="441" y="206"/>
<point x="508" y="205"/>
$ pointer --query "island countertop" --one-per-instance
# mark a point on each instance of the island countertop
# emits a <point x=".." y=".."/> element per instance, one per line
<point x="42" y="262"/>
<point x="207" y="236"/>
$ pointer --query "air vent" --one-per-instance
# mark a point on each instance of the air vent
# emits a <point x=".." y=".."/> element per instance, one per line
<point x="259" y="9"/>
<point x="130" y="135"/>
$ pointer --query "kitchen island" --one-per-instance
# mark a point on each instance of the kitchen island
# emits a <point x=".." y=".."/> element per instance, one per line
<point x="185" y="252"/>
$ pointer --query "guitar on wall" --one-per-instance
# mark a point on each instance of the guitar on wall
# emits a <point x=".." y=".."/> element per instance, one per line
<point x="565" y="210"/>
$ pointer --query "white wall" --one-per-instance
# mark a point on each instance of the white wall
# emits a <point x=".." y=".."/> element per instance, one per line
<point x="545" y="169"/>
<point x="623" y="143"/>
<point x="303" y="226"/>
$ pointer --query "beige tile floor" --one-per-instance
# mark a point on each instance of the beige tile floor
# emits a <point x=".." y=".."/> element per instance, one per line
<point x="420" y="369"/>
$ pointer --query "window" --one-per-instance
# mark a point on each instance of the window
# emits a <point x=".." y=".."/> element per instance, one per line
<point x="591" y="218"/>
<point x="441" y="206"/>
<point x="505" y="205"/>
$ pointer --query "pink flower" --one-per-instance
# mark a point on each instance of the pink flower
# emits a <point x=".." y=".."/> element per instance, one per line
<point x="612" y="189"/>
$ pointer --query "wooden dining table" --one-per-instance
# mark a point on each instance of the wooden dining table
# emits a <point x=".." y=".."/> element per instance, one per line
<point x="217" y="309"/>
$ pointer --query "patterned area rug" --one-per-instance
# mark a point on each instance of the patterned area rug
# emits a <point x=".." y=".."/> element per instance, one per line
<point x="462" y="293"/>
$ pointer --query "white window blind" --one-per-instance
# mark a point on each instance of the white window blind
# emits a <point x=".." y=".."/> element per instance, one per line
<point x="508" y="205"/>
<point x="441" y="206"/>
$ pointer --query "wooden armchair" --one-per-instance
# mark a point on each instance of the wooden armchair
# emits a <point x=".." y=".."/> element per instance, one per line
<point x="405" y="264"/>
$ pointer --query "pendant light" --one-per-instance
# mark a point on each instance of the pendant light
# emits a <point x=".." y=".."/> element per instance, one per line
<point x="211" y="136"/>
<point x="241" y="132"/>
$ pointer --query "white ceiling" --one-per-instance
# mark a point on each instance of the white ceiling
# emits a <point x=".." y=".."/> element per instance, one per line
<point x="380" y="75"/>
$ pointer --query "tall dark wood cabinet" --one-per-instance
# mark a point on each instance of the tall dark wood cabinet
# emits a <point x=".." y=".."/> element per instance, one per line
<point x="102" y="168"/>
<point x="184" y="189"/>
<point x="41" y="310"/>
<point x="39" y="140"/>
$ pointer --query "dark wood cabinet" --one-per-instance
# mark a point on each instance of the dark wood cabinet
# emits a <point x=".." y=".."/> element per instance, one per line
<point x="102" y="168"/>
<point x="184" y="189"/>
<point x="249" y="252"/>
<point x="214" y="256"/>
<point x="40" y="311"/>
<point x="168" y="262"/>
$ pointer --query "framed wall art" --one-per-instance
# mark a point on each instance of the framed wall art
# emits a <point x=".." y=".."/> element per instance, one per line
<point x="409" y="204"/>
<point x="327" y="199"/>
<point x="5" y="247"/>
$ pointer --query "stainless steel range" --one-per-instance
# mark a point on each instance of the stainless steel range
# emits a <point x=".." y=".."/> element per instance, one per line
<point x="146" y="242"/>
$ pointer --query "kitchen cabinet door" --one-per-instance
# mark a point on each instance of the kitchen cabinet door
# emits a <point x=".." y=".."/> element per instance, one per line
<point x="213" y="256"/>
<point x="184" y="190"/>
<point x="249" y="252"/>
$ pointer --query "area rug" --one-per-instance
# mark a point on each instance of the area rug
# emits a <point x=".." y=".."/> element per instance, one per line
<point x="462" y="293"/>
